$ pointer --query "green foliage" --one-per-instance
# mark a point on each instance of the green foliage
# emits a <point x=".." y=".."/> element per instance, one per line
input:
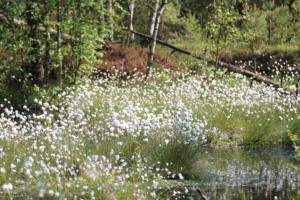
<point x="222" y="28"/>
<point x="29" y="56"/>
<point x="197" y="8"/>
<point x="172" y="21"/>
<point x="259" y="26"/>
<point x="255" y="28"/>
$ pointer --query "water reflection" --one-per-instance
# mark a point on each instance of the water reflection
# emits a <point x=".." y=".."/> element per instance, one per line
<point x="240" y="173"/>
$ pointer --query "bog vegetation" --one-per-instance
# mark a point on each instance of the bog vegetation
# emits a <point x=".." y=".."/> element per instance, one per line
<point x="102" y="140"/>
<point x="74" y="127"/>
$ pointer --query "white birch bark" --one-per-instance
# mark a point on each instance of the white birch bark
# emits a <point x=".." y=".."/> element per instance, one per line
<point x="154" y="38"/>
<point x="153" y="17"/>
<point x="131" y="8"/>
<point x="130" y="34"/>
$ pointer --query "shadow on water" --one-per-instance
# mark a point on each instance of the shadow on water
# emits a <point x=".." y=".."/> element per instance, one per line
<point x="242" y="173"/>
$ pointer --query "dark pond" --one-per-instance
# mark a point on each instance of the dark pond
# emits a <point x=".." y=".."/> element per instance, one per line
<point x="243" y="173"/>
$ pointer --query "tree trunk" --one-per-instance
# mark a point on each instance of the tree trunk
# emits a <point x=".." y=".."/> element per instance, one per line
<point x="32" y="65"/>
<point x="154" y="38"/>
<point x="47" y="56"/>
<point x="269" y="31"/>
<point x="293" y="20"/>
<point x="153" y="18"/>
<point x="59" y="45"/>
<point x="230" y="67"/>
<point x="297" y="89"/>
<point x="131" y="36"/>
<point x="111" y="22"/>
<point x="102" y="20"/>
<point x="269" y="23"/>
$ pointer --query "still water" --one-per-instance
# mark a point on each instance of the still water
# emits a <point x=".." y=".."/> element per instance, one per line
<point x="244" y="173"/>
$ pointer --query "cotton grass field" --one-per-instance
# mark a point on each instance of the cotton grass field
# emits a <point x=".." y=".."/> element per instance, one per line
<point x="107" y="139"/>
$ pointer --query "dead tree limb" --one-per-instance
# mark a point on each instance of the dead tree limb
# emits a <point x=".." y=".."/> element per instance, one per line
<point x="228" y="66"/>
<point x="249" y="74"/>
<point x="165" y="44"/>
<point x="39" y="29"/>
<point x="202" y="195"/>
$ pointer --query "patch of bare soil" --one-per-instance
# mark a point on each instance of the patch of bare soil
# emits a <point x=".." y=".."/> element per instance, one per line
<point x="129" y="61"/>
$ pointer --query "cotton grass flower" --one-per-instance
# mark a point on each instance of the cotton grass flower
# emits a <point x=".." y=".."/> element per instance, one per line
<point x="103" y="132"/>
<point x="7" y="187"/>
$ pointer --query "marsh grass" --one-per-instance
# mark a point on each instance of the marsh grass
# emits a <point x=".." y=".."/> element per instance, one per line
<point x="102" y="139"/>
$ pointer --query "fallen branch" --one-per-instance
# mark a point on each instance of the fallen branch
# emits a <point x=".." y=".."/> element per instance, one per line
<point x="202" y="195"/>
<point x="228" y="66"/>
<point x="40" y="29"/>
<point x="250" y="74"/>
<point x="165" y="44"/>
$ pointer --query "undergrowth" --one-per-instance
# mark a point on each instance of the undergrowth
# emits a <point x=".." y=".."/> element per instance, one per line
<point x="106" y="139"/>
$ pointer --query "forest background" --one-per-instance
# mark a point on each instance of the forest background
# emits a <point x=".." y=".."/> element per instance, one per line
<point x="115" y="99"/>
<point x="53" y="42"/>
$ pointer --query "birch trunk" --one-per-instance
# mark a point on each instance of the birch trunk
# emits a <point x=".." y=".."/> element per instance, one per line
<point x="131" y="9"/>
<point x="154" y="38"/>
<point x="153" y="18"/>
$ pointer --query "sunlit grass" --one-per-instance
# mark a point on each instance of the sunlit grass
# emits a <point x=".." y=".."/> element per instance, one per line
<point x="110" y="140"/>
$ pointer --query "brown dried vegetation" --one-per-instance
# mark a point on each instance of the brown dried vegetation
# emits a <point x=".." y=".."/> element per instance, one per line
<point x="127" y="62"/>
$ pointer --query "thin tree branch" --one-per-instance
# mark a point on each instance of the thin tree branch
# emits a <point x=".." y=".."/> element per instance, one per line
<point x="228" y="66"/>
